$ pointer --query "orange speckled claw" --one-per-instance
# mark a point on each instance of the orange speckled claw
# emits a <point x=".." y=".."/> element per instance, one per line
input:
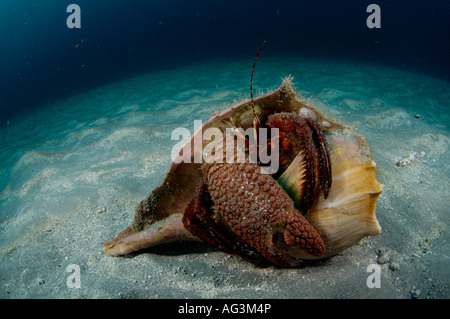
<point x="259" y="211"/>
<point x="301" y="234"/>
<point x="201" y="221"/>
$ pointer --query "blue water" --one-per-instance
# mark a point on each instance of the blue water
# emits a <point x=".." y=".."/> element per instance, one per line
<point x="86" y="117"/>
<point x="42" y="60"/>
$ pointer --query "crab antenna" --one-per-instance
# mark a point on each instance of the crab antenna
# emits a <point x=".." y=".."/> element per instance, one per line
<point x="251" y="84"/>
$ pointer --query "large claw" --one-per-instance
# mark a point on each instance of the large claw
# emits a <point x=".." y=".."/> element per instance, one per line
<point x="260" y="212"/>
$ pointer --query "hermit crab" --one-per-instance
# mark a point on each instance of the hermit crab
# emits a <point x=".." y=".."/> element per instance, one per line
<point x="320" y="199"/>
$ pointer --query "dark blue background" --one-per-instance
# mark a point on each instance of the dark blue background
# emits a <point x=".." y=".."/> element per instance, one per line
<point x="40" y="62"/>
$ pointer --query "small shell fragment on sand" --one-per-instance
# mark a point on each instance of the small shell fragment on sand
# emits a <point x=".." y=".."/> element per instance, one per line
<point x="410" y="159"/>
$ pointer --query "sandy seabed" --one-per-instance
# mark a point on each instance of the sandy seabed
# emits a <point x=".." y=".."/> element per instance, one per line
<point x="73" y="172"/>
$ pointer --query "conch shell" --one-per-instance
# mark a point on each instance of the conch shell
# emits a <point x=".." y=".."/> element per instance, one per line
<point x="348" y="213"/>
<point x="342" y="219"/>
